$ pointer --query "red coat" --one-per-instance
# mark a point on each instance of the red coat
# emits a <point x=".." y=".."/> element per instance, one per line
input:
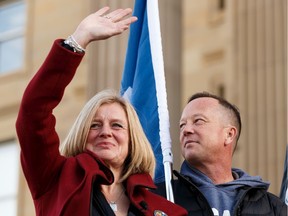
<point x="60" y="185"/>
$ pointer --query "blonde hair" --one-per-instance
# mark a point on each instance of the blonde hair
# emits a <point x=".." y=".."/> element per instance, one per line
<point x="140" y="158"/>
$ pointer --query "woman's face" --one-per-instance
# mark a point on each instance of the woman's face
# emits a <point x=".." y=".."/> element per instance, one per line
<point x="108" y="137"/>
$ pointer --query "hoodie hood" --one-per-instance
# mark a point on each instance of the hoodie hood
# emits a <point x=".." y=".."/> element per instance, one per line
<point x="241" y="178"/>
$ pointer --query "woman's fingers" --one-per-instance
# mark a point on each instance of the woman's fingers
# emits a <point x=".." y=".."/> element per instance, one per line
<point x="102" y="11"/>
<point x="118" y="14"/>
<point x="102" y="25"/>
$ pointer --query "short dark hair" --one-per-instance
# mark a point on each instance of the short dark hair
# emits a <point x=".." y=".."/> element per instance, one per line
<point x="225" y="104"/>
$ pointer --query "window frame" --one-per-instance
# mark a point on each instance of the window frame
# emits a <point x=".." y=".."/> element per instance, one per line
<point x="12" y="34"/>
<point x="9" y="197"/>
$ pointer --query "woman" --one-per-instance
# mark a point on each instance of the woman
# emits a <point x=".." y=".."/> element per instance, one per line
<point x="106" y="162"/>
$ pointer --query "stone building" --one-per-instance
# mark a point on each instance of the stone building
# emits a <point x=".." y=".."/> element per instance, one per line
<point x="237" y="49"/>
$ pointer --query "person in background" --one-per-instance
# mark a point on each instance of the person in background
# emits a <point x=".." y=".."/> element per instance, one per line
<point x="105" y="164"/>
<point x="284" y="189"/>
<point x="207" y="184"/>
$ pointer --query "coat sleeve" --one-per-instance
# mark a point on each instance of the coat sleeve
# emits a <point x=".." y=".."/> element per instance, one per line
<point x="35" y="125"/>
<point x="279" y="207"/>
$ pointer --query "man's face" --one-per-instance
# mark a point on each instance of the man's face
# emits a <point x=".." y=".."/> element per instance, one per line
<point x="202" y="131"/>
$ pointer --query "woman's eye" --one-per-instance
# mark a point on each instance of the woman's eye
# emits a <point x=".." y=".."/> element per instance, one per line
<point x="117" y="125"/>
<point x="95" y="126"/>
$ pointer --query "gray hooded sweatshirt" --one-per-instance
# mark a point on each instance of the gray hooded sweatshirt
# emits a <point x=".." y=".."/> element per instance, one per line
<point x="222" y="197"/>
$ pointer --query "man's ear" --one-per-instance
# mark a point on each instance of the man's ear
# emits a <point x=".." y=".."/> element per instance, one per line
<point x="231" y="133"/>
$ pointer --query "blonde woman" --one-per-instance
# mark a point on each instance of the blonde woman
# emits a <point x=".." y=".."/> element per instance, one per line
<point x="105" y="164"/>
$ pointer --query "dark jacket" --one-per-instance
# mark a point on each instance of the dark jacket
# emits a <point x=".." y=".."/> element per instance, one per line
<point x="253" y="201"/>
<point x="61" y="185"/>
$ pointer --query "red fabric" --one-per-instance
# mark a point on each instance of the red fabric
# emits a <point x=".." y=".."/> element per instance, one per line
<point x="60" y="185"/>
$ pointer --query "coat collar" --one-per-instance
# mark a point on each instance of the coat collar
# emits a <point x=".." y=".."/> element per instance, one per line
<point x="103" y="174"/>
<point x="139" y="180"/>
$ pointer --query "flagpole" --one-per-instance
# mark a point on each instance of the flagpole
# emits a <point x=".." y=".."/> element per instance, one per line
<point x="158" y="65"/>
<point x="168" y="167"/>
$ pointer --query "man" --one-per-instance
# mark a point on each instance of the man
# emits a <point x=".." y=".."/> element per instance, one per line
<point x="207" y="184"/>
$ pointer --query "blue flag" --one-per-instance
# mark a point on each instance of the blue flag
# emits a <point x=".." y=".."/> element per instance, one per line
<point x="138" y="82"/>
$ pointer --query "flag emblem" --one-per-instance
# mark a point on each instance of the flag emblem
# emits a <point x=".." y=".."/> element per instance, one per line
<point x="159" y="213"/>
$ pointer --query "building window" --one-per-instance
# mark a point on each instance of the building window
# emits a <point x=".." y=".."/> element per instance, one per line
<point x="9" y="172"/>
<point x="12" y="26"/>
